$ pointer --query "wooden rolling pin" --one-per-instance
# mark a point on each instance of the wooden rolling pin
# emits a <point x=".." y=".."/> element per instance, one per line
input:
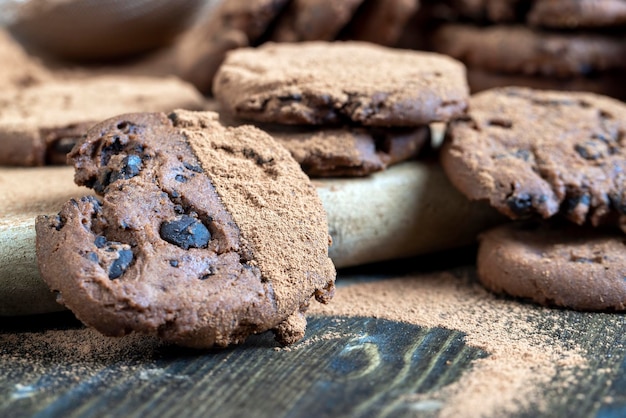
<point x="406" y="210"/>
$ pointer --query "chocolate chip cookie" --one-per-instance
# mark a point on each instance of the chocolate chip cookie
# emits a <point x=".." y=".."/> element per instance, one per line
<point x="542" y="152"/>
<point x="518" y="49"/>
<point x="313" y="20"/>
<point x="568" y="266"/>
<point x="350" y="151"/>
<point x="233" y="24"/>
<point x="609" y="83"/>
<point x="569" y="14"/>
<point x="342" y="82"/>
<point x="202" y="235"/>
<point x="40" y="123"/>
<point x="380" y="21"/>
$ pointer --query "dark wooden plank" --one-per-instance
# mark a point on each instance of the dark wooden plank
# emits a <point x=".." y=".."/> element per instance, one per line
<point x="346" y="366"/>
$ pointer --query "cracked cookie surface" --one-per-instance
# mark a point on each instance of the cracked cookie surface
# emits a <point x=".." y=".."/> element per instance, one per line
<point x="316" y="83"/>
<point x="558" y="265"/>
<point x="201" y="235"/>
<point x="542" y="152"/>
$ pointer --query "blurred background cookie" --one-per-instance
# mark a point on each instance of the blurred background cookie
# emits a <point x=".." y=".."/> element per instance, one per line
<point x="98" y="29"/>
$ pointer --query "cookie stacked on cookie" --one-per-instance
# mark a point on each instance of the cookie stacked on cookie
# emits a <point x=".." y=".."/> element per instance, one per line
<point x="557" y="156"/>
<point x="242" y="23"/>
<point x="342" y="108"/>
<point x="576" y="45"/>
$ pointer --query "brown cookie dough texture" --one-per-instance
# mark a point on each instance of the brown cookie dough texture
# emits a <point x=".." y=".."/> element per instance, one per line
<point x="351" y="152"/>
<point x="577" y="13"/>
<point x="232" y="24"/>
<point x="572" y="267"/>
<point x="342" y="82"/>
<point x="40" y="123"/>
<point x="521" y="50"/>
<point x="531" y="151"/>
<point x="203" y="234"/>
<point x="347" y="151"/>
<point x="311" y="20"/>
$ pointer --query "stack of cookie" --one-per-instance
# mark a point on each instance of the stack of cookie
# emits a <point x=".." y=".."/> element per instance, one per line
<point x="556" y="162"/>
<point x="343" y="108"/>
<point x="241" y="23"/>
<point x="549" y="44"/>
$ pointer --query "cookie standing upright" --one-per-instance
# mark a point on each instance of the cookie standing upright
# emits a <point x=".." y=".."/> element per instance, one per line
<point x="380" y="21"/>
<point x="313" y="20"/>
<point x="556" y="265"/>
<point x="342" y="82"/>
<point x="233" y="24"/>
<point x="203" y="235"/>
<point x="542" y="152"/>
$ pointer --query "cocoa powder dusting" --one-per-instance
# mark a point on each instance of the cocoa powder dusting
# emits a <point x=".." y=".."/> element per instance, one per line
<point x="523" y="355"/>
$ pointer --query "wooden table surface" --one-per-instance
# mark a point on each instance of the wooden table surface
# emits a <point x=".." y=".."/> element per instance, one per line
<point x="346" y="366"/>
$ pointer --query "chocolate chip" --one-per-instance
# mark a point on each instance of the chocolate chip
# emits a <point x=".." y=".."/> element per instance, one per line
<point x="57" y="222"/>
<point x="520" y="204"/>
<point x="574" y="201"/>
<point x="502" y="123"/>
<point x="180" y="178"/>
<point x="131" y="166"/>
<point x="91" y="256"/>
<point x="185" y="231"/>
<point x="100" y="241"/>
<point x="208" y="274"/>
<point x="117" y="268"/>
<point x="593" y="149"/>
<point x="174" y="263"/>
<point x="192" y="167"/>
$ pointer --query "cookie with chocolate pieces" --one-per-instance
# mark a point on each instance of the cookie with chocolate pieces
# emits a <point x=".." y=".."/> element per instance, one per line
<point x="319" y="83"/>
<point x="201" y="235"/>
<point x="539" y="152"/>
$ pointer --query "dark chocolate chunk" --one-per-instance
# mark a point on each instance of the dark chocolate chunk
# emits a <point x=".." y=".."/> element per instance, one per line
<point x="186" y="232"/>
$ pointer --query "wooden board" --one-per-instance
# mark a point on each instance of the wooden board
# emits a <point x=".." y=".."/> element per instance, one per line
<point x="363" y="366"/>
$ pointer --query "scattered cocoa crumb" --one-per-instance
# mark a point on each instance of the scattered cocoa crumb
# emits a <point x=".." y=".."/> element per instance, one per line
<point x="523" y="355"/>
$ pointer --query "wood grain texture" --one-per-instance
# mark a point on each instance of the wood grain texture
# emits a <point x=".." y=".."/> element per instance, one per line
<point x="345" y="367"/>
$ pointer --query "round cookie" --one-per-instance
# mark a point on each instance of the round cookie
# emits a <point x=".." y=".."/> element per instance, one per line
<point x="347" y="151"/>
<point x="610" y="83"/>
<point x="342" y="82"/>
<point x="351" y="152"/>
<point x="572" y="267"/>
<point x="203" y="235"/>
<point x="577" y="13"/>
<point x="518" y="49"/>
<point x="40" y="123"/>
<point x="541" y="152"/>
<point x="232" y="24"/>
<point x="380" y="21"/>
<point x="313" y="20"/>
